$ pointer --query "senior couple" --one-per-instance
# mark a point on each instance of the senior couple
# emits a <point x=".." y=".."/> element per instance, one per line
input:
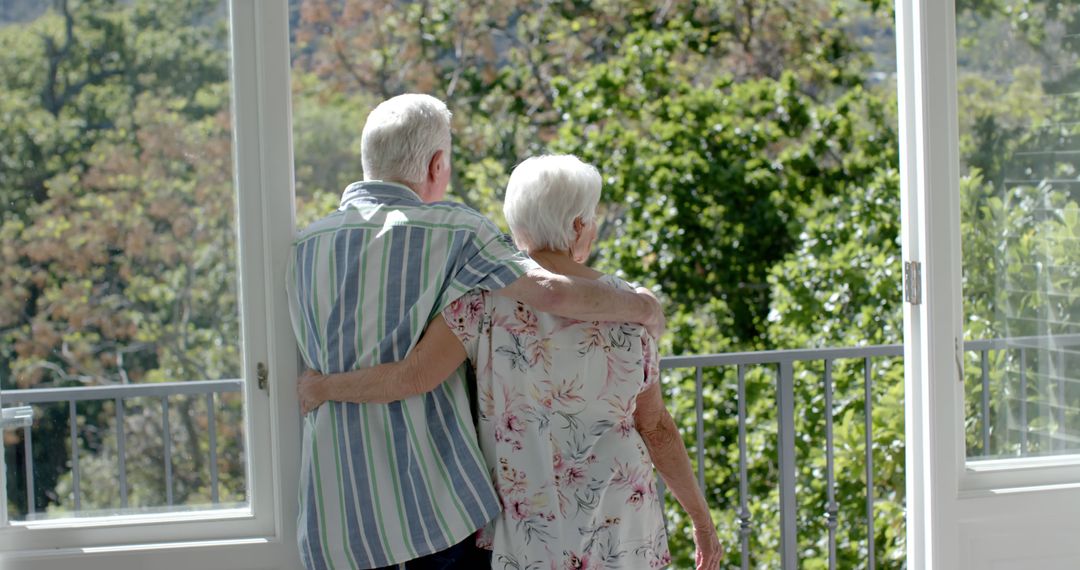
<point x="397" y="294"/>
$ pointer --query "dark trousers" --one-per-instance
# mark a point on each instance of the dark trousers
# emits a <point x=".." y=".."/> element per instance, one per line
<point x="464" y="555"/>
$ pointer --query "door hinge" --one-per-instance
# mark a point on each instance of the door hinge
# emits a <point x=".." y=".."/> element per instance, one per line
<point x="262" y="374"/>
<point x="913" y="282"/>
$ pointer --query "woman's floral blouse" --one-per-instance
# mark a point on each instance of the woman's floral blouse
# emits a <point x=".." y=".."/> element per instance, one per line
<point x="557" y="399"/>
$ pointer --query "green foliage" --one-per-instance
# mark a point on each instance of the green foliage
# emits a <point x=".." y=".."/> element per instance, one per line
<point x="119" y="250"/>
<point x="1024" y="264"/>
<point x="841" y="287"/>
<point x="704" y="184"/>
<point x="768" y="219"/>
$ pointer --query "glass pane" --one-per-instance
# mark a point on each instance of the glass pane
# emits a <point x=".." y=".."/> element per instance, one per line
<point x="118" y="290"/>
<point x="1019" y="101"/>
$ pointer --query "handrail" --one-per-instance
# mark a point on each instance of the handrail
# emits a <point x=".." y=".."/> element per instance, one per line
<point x="86" y="393"/>
<point x="801" y="354"/>
<point x="780" y="356"/>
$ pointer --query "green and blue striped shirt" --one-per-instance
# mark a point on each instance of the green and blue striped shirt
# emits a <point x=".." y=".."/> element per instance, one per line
<point x="381" y="484"/>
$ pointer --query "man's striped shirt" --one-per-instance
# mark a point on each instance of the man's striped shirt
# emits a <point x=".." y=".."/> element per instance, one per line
<point x="381" y="484"/>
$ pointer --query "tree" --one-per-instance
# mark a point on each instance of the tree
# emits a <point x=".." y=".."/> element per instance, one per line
<point x="709" y="191"/>
<point x="119" y="250"/>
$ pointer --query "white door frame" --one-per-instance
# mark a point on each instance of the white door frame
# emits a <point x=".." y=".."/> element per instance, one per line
<point x="262" y="114"/>
<point x="930" y="235"/>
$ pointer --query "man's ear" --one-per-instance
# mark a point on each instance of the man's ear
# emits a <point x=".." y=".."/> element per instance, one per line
<point x="436" y="165"/>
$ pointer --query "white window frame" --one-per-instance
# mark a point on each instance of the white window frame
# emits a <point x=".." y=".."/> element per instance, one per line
<point x="263" y="535"/>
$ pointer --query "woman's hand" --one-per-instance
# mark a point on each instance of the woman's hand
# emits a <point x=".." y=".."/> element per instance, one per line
<point x="307" y="388"/>
<point x="707" y="546"/>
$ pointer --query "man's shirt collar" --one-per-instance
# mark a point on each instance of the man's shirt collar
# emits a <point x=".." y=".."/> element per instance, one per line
<point x="379" y="191"/>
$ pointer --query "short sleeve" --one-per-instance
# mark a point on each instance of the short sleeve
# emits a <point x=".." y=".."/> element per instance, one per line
<point x="650" y="359"/>
<point x="650" y="356"/>
<point x="467" y="316"/>
<point x="489" y="261"/>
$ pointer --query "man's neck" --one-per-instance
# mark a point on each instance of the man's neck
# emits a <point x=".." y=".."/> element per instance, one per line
<point x="421" y="192"/>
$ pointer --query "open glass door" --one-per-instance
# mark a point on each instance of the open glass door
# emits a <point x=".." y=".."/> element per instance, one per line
<point x="119" y="280"/>
<point x="988" y="111"/>
<point x="146" y="211"/>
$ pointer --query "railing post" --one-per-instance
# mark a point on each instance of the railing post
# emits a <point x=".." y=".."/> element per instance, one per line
<point x="166" y="435"/>
<point x="3" y="484"/>
<point x="74" y="427"/>
<point x="831" y="508"/>
<point x="744" y="492"/>
<point x="699" y="403"/>
<point x="868" y="406"/>
<point x="1062" y="424"/>
<point x="985" y="354"/>
<point x="212" y="428"/>
<point x="1023" y="403"/>
<point x="786" y="455"/>
<point x="121" y="448"/>
<point x="28" y="451"/>
<point x="1043" y="374"/>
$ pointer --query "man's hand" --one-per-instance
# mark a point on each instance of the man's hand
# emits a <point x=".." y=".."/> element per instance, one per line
<point x="707" y="547"/>
<point x="656" y="322"/>
<point x="308" y="389"/>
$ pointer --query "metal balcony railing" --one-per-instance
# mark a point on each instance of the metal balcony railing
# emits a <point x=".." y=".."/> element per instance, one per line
<point x="208" y="389"/>
<point x="1050" y="401"/>
<point x="1048" y="365"/>
<point x="1052" y="382"/>
<point x="783" y="361"/>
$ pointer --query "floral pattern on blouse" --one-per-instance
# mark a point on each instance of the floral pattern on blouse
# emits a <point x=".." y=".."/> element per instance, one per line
<point x="557" y="400"/>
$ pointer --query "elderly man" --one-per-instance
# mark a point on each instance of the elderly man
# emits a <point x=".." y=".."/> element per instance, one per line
<point x="405" y="482"/>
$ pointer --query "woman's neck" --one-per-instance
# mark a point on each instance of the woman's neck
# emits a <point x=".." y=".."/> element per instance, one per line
<point x="563" y="263"/>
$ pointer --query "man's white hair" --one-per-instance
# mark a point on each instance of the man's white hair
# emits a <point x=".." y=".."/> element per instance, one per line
<point x="401" y="135"/>
<point x="544" y="196"/>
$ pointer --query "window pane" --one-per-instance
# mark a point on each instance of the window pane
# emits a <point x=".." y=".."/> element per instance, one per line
<point x="118" y="292"/>
<point x="1019" y="101"/>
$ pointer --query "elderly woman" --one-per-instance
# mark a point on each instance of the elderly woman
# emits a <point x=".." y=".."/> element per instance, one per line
<point x="571" y="418"/>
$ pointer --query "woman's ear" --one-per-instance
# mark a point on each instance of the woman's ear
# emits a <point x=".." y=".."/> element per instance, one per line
<point x="577" y="245"/>
<point x="579" y="226"/>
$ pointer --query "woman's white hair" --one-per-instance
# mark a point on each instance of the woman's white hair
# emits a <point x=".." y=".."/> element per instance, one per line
<point x="401" y="135"/>
<point x="544" y="196"/>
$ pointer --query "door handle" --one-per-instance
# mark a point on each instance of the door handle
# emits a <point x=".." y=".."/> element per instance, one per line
<point x="18" y="417"/>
